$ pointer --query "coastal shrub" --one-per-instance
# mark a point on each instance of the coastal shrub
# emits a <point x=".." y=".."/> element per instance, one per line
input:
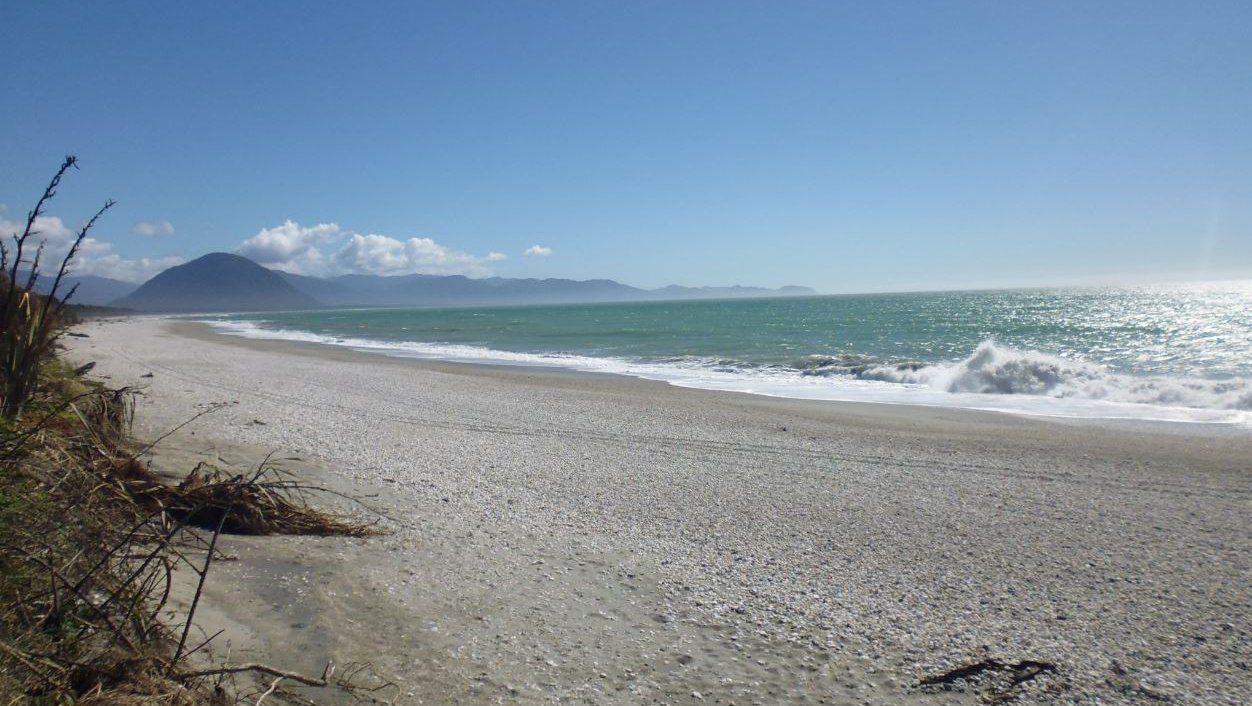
<point x="30" y="323"/>
<point x="90" y="536"/>
<point x="89" y="540"/>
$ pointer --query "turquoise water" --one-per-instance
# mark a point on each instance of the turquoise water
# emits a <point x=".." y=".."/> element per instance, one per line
<point x="1177" y="352"/>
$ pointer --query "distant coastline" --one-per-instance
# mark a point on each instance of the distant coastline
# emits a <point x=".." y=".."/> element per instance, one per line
<point x="226" y="282"/>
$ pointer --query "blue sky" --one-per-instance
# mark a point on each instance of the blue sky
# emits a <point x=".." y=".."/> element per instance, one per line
<point x="846" y="146"/>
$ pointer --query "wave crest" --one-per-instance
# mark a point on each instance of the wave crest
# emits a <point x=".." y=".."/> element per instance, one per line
<point x="999" y="370"/>
<point x="1026" y="382"/>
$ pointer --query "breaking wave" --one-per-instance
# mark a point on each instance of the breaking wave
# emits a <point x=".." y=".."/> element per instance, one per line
<point x="997" y="370"/>
<point x="993" y="377"/>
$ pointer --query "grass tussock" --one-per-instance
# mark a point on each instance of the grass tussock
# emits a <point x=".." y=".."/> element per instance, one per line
<point x="90" y="538"/>
<point x="85" y="572"/>
<point x="30" y="323"/>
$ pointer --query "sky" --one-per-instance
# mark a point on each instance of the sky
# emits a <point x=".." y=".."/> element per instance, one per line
<point x="847" y="146"/>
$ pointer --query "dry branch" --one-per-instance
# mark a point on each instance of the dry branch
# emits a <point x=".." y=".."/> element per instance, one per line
<point x="258" y="668"/>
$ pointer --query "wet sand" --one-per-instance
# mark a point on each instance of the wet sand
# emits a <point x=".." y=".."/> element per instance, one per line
<point x="564" y="537"/>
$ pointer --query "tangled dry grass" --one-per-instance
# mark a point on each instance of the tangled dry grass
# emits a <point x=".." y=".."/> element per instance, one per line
<point x="90" y="538"/>
<point x="265" y="501"/>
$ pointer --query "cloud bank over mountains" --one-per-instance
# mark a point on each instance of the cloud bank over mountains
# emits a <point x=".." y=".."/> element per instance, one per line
<point x="115" y="266"/>
<point x="290" y="247"/>
<point x="327" y="249"/>
<point x="94" y="257"/>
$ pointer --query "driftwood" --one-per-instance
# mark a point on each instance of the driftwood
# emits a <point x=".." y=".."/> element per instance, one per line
<point x="265" y="501"/>
<point x="1009" y="675"/>
<point x="257" y="668"/>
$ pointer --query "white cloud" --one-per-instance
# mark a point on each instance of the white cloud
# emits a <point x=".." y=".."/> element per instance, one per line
<point x="91" y="246"/>
<point x="49" y="228"/>
<point x="290" y="247"/>
<point x="152" y="230"/>
<point x="384" y="255"/>
<point x="52" y="233"/>
<point x="327" y="249"/>
<point x="115" y="266"/>
<point x="94" y="257"/>
<point x="538" y="251"/>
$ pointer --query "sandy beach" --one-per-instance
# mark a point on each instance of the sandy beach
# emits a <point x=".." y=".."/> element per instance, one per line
<point x="580" y="538"/>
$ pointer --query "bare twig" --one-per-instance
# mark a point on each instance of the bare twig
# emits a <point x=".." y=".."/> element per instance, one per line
<point x="207" y="410"/>
<point x="273" y="686"/>
<point x="28" y="661"/>
<point x="195" y="601"/>
<point x="323" y="680"/>
<point x="69" y="257"/>
<point x="204" y="644"/>
<point x="32" y="216"/>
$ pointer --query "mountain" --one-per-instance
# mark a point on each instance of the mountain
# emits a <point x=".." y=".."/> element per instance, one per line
<point x="92" y="290"/>
<point x="224" y="282"/>
<point x="327" y="291"/>
<point x="217" y="282"/>
<point x="458" y="290"/>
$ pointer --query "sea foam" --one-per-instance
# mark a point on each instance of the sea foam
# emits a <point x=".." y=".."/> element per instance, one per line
<point x="993" y="377"/>
<point x="999" y="370"/>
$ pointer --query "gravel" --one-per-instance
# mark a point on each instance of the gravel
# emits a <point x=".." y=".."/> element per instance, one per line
<point x="573" y="537"/>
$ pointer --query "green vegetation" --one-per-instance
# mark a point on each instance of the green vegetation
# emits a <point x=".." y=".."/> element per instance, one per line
<point x="90" y="538"/>
<point x="81" y="566"/>
<point x="31" y="323"/>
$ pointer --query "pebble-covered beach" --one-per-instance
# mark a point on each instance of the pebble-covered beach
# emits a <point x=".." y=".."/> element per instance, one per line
<point x="580" y="538"/>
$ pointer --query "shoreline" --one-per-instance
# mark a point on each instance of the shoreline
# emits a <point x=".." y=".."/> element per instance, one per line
<point x="1078" y="410"/>
<point x="574" y="536"/>
<point x="207" y="332"/>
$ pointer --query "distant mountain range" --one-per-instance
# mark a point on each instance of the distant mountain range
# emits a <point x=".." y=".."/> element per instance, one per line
<point x="225" y="282"/>
<point x="92" y="290"/>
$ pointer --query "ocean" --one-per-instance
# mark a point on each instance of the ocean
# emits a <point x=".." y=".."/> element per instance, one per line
<point x="1165" y="352"/>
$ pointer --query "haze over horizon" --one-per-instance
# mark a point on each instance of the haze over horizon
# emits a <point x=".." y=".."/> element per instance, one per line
<point x="849" y="148"/>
